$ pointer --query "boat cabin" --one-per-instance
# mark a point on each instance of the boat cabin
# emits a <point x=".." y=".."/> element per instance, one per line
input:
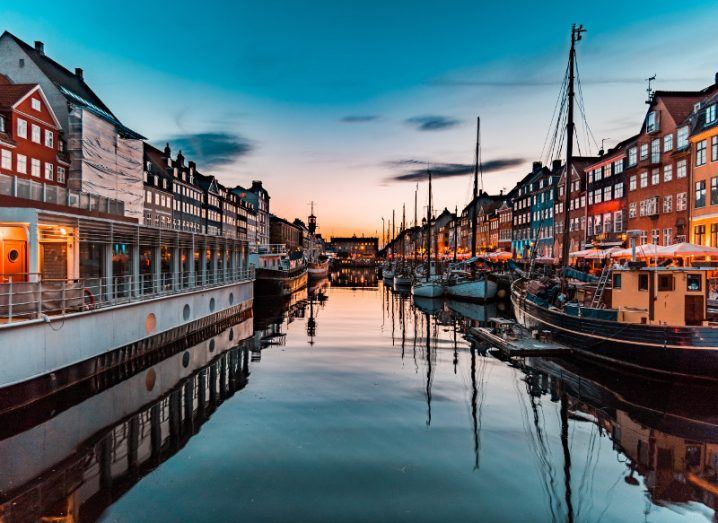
<point x="660" y="295"/>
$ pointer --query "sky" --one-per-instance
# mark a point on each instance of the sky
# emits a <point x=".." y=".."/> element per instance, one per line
<point x="347" y="103"/>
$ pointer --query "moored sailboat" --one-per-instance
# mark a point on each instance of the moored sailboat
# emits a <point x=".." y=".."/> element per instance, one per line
<point x="430" y="287"/>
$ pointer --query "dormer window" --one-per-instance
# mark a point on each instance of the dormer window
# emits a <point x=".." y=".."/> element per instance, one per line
<point x="696" y="107"/>
<point x="710" y="114"/>
<point x="652" y="122"/>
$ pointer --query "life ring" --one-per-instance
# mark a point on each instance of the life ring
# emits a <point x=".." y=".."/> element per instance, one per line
<point x="89" y="297"/>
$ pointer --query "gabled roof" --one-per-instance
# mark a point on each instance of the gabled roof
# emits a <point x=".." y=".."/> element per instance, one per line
<point x="71" y="85"/>
<point x="11" y="93"/>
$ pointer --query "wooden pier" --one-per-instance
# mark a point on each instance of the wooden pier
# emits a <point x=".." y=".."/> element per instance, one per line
<point x="522" y="345"/>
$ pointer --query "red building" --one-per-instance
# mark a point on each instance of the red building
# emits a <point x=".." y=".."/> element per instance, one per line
<point x="658" y="190"/>
<point x="505" y="215"/>
<point x="577" y="206"/>
<point x="30" y="141"/>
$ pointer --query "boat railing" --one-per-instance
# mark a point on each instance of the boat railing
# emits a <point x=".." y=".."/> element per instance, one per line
<point x="18" y="187"/>
<point x="269" y="248"/>
<point x="24" y="298"/>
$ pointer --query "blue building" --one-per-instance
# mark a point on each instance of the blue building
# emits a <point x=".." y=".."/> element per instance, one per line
<point x="544" y="190"/>
<point x="523" y="207"/>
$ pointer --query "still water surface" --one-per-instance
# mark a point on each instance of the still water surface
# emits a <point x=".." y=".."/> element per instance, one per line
<point x="357" y="405"/>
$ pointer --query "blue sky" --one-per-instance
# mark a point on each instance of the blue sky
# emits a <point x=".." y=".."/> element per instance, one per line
<point x="331" y="101"/>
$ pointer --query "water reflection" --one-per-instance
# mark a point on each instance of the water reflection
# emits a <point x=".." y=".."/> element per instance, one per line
<point x="86" y="452"/>
<point x="354" y="277"/>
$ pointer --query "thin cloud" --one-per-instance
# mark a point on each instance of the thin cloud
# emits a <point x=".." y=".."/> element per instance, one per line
<point x="432" y="122"/>
<point x="212" y="149"/>
<point x="360" y="118"/>
<point x="416" y="170"/>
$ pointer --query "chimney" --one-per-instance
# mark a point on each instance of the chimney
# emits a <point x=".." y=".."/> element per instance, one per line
<point x="556" y="165"/>
<point x="39" y="47"/>
<point x="536" y="166"/>
<point x="167" y="151"/>
<point x="716" y="78"/>
<point x="180" y="159"/>
<point x="79" y="73"/>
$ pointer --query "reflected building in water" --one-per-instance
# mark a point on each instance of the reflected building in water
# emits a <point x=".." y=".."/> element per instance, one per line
<point x="104" y="443"/>
<point x="354" y="277"/>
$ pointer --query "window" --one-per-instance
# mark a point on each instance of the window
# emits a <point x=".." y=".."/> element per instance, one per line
<point x="616" y="281"/>
<point x="693" y="282"/>
<point x="2" y="124"/>
<point x="35" y="104"/>
<point x="652" y="206"/>
<point x="35" y="167"/>
<point x="21" y="128"/>
<point x="632" y="156"/>
<point x="644" y="151"/>
<point x="49" y="139"/>
<point x="598" y="174"/>
<point x="618" y="167"/>
<point x="700" y="199"/>
<point x="701" y="153"/>
<point x="681" y="201"/>
<point x="597" y="196"/>
<point x="714" y="235"/>
<point x="590" y="176"/>
<point x="668" y="203"/>
<point x="682" y="137"/>
<point x="652" y="122"/>
<point x="714" y="149"/>
<point x="656" y="150"/>
<point x="655" y="176"/>
<point x="22" y="163"/>
<point x="618" y="190"/>
<point x="644" y="179"/>
<point x="6" y="159"/>
<point x="618" y="221"/>
<point x="667" y="172"/>
<point x="148" y="197"/>
<point x="655" y="236"/>
<point x="668" y="236"/>
<point x="667" y="142"/>
<point x="632" y="183"/>
<point x="714" y="190"/>
<point x="607" y="225"/>
<point x="36" y="133"/>
<point x="665" y="282"/>
<point x="590" y="197"/>
<point x="49" y="171"/>
<point x="681" y="169"/>
<point x="699" y="233"/>
<point x="643" y="281"/>
<point x="607" y="193"/>
<point x="61" y="174"/>
<point x="710" y="114"/>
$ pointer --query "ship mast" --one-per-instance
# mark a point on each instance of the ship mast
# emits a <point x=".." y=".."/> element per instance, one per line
<point x="570" y="130"/>
<point x="476" y="189"/>
<point x="428" y="233"/>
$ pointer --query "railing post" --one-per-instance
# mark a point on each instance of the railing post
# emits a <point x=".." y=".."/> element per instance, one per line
<point x="39" y="299"/>
<point x="9" y="303"/>
<point x="63" y="296"/>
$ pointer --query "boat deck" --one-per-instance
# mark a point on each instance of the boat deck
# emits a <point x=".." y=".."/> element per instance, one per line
<point x="522" y="345"/>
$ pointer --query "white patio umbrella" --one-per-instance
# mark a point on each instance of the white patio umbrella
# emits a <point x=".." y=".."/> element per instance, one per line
<point x="648" y="250"/>
<point x="686" y="250"/>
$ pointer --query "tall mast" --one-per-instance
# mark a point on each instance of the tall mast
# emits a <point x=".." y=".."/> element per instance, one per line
<point x="476" y="189"/>
<point x="416" y="193"/>
<point x="393" y="231"/>
<point x="570" y="129"/>
<point x="456" y="232"/>
<point x="428" y="233"/>
<point x="403" y="228"/>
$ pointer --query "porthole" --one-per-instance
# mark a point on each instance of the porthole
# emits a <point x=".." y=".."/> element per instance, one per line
<point x="211" y="345"/>
<point x="211" y="305"/>
<point x="185" y="359"/>
<point x="150" y="380"/>
<point x="231" y="298"/>
<point x="150" y="323"/>
<point x="231" y="334"/>
<point x="13" y="255"/>
<point x="186" y="312"/>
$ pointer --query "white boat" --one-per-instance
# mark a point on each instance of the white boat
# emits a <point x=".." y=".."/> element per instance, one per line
<point x="387" y="272"/>
<point x="318" y="269"/>
<point x="480" y="289"/>
<point x="402" y="280"/>
<point x="428" y="289"/>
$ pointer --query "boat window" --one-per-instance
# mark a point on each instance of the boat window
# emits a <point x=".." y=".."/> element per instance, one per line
<point x="616" y="281"/>
<point x="665" y="282"/>
<point x="693" y="282"/>
<point x="643" y="282"/>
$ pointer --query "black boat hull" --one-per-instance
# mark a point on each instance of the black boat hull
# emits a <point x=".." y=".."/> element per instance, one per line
<point x="676" y="351"/>
<point x="279" y="283"/>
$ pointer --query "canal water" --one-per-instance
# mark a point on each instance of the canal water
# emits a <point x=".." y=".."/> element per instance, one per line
<point x="350" y="402"/>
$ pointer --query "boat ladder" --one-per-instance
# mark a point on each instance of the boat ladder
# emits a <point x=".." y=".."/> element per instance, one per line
<point x="600" y="287"/>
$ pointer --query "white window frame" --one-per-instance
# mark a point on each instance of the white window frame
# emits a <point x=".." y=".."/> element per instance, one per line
<point x="36" y="136"/>
<point x="49" y="171"/>
<point x="22" y="128"/>
<point x="21" y="163"/>
<point x="49" y="139"/>
<point x="6" y="159"/>
<point x="35" y="167"/>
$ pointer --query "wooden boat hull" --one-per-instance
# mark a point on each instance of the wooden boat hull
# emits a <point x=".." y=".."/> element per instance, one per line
<point x="402" y="281"/>
<point x="279" y="283"/>
<point x="318" y="270"/>
<point x="677" y="351"/>
<point x="473" y="290"/>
